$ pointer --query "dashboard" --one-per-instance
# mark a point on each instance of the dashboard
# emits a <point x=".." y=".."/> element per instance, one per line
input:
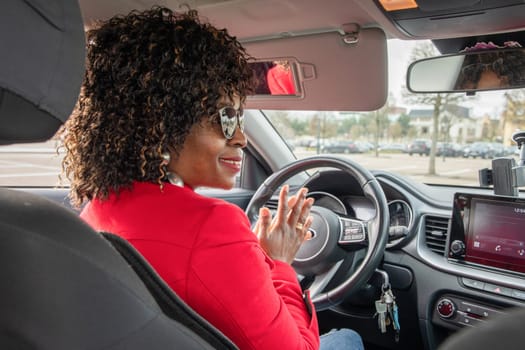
<point x="350" y="201"/>
<point x="461" y="260"/>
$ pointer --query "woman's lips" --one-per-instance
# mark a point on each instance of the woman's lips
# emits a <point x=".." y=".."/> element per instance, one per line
<point x="232" y="163"/>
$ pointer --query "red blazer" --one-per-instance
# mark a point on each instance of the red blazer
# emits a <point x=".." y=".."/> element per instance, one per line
<point x="280" y="81"/>
<point x="205" y="250"/>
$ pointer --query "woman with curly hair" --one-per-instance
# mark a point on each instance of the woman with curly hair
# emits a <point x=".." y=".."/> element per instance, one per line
<point x="160" y="114"/>
<point x="500" y="66"/>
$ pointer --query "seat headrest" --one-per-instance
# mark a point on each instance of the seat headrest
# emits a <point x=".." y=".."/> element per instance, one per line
<point x="41" y="67"/>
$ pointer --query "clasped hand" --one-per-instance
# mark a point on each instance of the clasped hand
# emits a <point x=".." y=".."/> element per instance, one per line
<point x="282" y="236"/>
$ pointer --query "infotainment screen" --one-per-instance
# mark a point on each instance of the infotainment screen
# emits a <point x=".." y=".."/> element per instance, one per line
<point x="488" y="231"/>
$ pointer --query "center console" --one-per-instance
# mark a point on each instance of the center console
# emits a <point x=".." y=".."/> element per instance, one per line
<point x="488" y="232"/>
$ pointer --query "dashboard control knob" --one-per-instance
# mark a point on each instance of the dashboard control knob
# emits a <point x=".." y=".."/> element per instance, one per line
<point x="446" y="308"/>
<point x="457" y="248"/>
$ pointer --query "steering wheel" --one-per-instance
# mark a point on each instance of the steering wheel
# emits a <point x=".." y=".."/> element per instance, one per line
<point x="343" y="252"/>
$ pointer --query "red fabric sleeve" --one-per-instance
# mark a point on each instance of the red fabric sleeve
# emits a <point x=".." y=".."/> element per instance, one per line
<point x="255" y="301"/>
<point x="280" y="81"/>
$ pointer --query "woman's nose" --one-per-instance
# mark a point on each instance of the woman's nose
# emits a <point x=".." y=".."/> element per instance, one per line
<point x="239" y="138"/>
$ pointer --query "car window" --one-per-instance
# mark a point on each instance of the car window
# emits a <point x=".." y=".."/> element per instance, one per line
<point x="30" y="164"/>
<point x="396" y="138"/>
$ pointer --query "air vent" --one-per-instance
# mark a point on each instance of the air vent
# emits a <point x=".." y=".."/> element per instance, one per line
<point x="272" y="204"/>
<point x="436" y="233"/>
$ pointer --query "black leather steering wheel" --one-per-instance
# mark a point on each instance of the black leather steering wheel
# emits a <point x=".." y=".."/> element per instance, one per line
<point x="337" y="239"/>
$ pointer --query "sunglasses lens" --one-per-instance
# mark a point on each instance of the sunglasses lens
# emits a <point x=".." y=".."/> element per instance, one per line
<point x="230" y="112"/>
<point x="241" y="121"/>
<point x="229" y="121"/>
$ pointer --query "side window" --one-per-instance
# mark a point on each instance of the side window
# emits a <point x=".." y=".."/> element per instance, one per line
<point x="30" y="165"/>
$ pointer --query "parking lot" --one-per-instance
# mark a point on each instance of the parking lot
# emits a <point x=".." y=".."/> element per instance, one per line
<point x="460" y="171"/>
<point x="39" y="165"/>
<point x="29" y="165"/>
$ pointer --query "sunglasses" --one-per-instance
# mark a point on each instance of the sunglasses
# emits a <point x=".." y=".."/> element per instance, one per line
<point x="230" y="118"/>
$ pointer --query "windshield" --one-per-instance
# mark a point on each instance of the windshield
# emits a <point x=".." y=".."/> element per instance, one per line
<point x="407" y="136"/>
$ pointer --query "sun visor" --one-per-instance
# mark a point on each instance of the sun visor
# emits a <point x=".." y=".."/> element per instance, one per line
<point x="41" y="67"/>
<point x="334" y="71"/>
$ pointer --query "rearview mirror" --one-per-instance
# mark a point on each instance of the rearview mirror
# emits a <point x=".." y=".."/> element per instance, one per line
<point x="468" y="72"/>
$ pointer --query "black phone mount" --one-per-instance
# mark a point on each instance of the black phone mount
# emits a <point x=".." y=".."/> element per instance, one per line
<point x="506" y="176"/>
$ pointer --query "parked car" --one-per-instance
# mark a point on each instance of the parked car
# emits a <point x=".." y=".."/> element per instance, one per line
<point x="483" y="150"/>
<point x="392" y="147"/>
<point x="448" y="149"/>
<point x="498" y="150"/>
<point x="341" y="147"/>
<point x="365" y="146"/>
<point x="421" y="147"/>
<point x="381" y="223"/>
<point x="317" y="143"/>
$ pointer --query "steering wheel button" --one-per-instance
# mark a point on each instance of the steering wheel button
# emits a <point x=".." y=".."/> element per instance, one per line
<point x="351" y="231"/>
<point x="352" y="237"/>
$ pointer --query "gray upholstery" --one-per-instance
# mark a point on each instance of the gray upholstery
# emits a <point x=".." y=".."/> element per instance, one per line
<point x="66" y="287"/>
<point x="42" y="65"/>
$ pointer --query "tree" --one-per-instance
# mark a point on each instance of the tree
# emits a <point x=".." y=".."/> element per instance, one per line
<point x="356" y="131"/>
<point x="515" y="106"/>
<point x="395" y="131"/>
<point x="282" y="122"/>
<point x="299" y="126"/>
<point x="347" y="124"/>
<point x="439" y="101"/>
<point x="380" y="126"/>
<point x="323" y="125"/>
<point x="404" y="123"/>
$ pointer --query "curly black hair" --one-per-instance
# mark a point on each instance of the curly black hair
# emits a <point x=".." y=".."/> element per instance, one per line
<point x="150" y="76"/>
<point x="508" y="64"/>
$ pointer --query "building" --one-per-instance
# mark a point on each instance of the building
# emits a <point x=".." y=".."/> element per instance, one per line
<point x="455" y="123"/>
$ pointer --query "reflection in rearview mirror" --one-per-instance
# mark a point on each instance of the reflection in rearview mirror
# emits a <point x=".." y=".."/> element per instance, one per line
<point x="276" y="77"/>
<point x="469" y="72"/>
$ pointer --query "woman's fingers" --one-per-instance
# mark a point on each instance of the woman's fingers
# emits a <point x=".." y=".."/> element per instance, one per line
<point x="300" y="212"/>
<point x="282" y="207"/>
<point x="293" y="211"/>
<point x="305" y="210"/>
<point x="307" y="232"/>
<point x="282" y="236"/>
<point x="263" y="224"/>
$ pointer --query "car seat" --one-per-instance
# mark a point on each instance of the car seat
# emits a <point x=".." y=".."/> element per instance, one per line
<point x="64" y="286"/>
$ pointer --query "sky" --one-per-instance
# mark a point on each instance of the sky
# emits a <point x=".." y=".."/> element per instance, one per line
<point x="399" y="54"/>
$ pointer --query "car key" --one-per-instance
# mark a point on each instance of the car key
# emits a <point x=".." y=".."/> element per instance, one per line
<point x="381" y="311"/>
<point x="388" y="298"/>
<point x="395" y="320"/>
<point x="392" y="309"/>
